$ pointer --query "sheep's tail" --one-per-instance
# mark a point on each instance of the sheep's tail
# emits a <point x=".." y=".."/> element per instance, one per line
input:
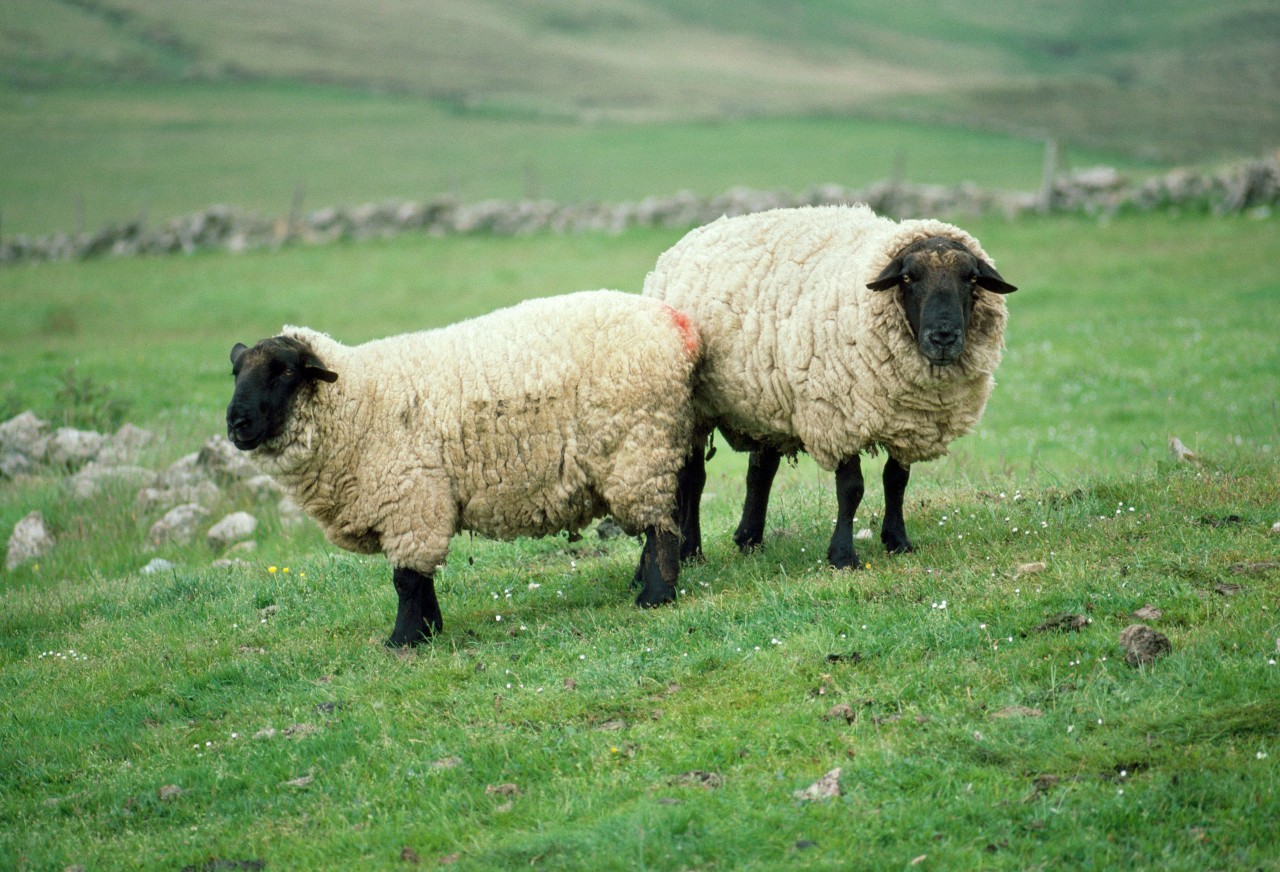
<point x="689" y="333"/>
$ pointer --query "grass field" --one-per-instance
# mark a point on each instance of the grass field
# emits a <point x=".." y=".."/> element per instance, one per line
<point x="105" y="155"/>
<point x="1180" y="80"/>
<point x="140" y="709"/>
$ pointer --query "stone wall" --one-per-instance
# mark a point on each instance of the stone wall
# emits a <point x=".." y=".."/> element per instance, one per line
<point x="1251" y="186"/>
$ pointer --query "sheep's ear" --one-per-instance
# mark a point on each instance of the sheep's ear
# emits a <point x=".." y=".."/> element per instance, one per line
<point x="890" y="277"/>
<point x="237" y="351"/>
<point x="313" y="368"/>
<point x="991" y="280"/>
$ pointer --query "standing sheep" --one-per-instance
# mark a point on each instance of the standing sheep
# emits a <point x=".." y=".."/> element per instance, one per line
<point x="523" y="422"/>
<point x="808" y="347"/>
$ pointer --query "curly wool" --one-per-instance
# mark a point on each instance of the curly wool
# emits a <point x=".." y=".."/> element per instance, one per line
<point x="801" y="356"/>
<point x="526" y="421"/>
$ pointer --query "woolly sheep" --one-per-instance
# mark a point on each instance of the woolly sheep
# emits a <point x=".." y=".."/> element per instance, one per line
<point x="803" y="350"/>
<point x="523" y="422"/>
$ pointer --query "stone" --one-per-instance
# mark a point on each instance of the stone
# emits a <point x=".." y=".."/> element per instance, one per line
<point x="234" y="528"/>
<point x="23" y="440"/>
<point x="158" y="565"/>
<point x="125" y="444"/>
<point x="152" y="499"/>
<point x="178" y="526"/>
<point x="183" y="471"/>
<point x="225" y="463"/>
<point x="263" y="487"/>
<point x="96" y="477"/>
<point x="69" y="448"/>
<point x="30" y="540"/>
<point x="291" y="514"/>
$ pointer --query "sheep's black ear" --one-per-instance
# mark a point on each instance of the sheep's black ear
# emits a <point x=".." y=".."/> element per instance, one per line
<point x="237" y="351"/>
<point x="991" y="280"/>
<point x="890" y="277"/>
<point x="312" y="367"/>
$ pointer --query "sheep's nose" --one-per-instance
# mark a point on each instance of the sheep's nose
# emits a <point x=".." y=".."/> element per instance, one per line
<point x="944" y="339"/>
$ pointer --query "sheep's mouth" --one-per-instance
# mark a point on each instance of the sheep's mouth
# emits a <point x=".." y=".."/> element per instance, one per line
<point x="244" y="437"/>
<point x="942" y="358"/>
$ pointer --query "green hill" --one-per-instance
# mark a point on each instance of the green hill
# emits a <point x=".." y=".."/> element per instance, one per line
<point x="1170" y="80"/>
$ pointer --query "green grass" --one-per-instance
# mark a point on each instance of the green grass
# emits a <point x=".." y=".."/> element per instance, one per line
<point x="106" y="155"/>
<point x="1120" y="336"/>
<point x="1179" y="81"/>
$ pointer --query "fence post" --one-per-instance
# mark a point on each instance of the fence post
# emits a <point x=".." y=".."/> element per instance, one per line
<point x="1050" y="172"/>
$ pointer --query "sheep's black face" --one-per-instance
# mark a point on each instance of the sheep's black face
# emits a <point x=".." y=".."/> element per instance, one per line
<point x="940" y="279"/>
<point x="268" y="378"/>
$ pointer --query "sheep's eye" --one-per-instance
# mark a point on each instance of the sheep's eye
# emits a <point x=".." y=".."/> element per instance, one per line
<point x="288" y="372"/>
<point x="906" y="279"/>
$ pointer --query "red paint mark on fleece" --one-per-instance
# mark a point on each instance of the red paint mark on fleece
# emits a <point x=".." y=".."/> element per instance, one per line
<point x="687" y="331"/>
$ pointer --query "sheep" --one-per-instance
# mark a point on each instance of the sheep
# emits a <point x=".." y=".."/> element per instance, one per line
<point x="527" y="421"/>
<point x="805" y="350"/>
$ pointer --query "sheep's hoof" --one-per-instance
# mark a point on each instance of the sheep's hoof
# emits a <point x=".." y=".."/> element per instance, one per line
<point x="693" y="558"/>
<point x="649" y="599"/>
<point x="840" y="559"/>
<point x="895" y="539"/>
<point x="407" y="642"/>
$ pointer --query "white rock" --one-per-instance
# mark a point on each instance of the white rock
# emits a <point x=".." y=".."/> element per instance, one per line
<point x="225" y="463"/>
<point x="291" y="514"/>
<point x="1275" y="529"/>
<point x="263" y="487"/>
<point x="22" y="444"/>
<point x="235" y="527"/>
<point x="1180" y="453"/>
<point x="96" y="477"/>
<point x="178" y="525"/>
<point x="184" y="472"/>
<point x="151" y="499"/>
<point x="125" y="444"/>
<point x="158" y="565"/>
<point x="30" y="540"/>
<point x="71" y="448"/>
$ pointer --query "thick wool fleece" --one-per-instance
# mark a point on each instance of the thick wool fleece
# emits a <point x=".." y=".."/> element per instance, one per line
<point x="526" y="421"/>
<point x="800" y="355"/>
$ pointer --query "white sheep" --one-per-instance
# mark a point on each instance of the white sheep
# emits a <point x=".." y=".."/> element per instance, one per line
<point x="524" y="422"/>
<point x="804" y="349"/>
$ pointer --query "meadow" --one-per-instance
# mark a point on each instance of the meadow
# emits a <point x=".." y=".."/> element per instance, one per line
<point x="250" y="718"/>
<point x="83" y="158"/>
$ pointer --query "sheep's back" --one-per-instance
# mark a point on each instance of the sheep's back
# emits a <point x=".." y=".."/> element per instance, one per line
<point x="800" y="355"/>
<point x="539" y="408"/>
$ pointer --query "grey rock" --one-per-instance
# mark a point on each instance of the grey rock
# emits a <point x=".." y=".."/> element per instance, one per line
<point x="151" y="499"/>
<point x="125" y="445"/>
<point x="69" y="448"/>
<point x="96" y="477"/>
<point x="30" y="540"/>
<point x="263" y="487"/>
<point x="234" y="528"/>
<point x="291" y="514"/>
<point x="23" y="440"/>
<point x="178" y="526"/>
<point x="158" y="565"/>
<point x="225" y="463"/>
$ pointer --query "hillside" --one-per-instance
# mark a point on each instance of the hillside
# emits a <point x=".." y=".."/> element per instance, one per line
<point x="1168" y="81"/>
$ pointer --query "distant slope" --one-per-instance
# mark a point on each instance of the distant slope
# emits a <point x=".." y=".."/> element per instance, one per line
<point x="1173" y="79"/>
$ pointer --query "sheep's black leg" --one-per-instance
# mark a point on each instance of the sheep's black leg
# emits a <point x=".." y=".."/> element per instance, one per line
<point x="689" y="484"/>
<point x="761" y="469"/>
<point x="894" y="532"/>
<point x="849" y="490"/>
<point x="659" y="568"/>
<point x="418" y="617"/>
